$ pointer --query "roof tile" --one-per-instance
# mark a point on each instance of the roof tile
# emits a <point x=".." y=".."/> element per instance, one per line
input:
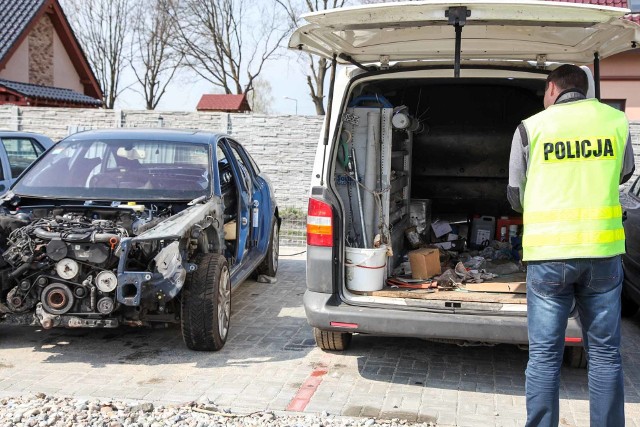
<point x="633" y="17"/>
<point x="14" y="19"/>
<point x="222" y="102"/>
<point x="50" y="93"/>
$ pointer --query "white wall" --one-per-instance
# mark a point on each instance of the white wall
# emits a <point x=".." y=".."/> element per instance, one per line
<point x="18" y="66"/>
<point x="64" y="73"/>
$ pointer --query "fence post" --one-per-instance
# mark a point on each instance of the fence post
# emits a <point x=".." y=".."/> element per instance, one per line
<point x="15" y="120"/>
<point x="119" y="118"/>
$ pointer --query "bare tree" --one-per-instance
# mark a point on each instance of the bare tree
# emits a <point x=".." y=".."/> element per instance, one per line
<point x="227" y="42"/>
<point x="261" y="97"/>
<point x="316" y="68"/>
<point x="154" y="60"/>
<point x="103" y="27"/>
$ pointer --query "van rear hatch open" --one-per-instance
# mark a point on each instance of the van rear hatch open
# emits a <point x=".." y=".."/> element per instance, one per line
<point x="457" y="156"/>
<point x="496" y="30"/>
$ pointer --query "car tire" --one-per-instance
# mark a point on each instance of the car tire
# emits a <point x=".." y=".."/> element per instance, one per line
<point x="629" y="307"/>
<point x="206" y="304"/>
<point x="269" y="266"/>
<point x="331" y="340"/>
<point x="575" y="357"/>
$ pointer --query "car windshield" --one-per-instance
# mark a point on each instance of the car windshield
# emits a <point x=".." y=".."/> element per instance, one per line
<point x="119" y="170"/>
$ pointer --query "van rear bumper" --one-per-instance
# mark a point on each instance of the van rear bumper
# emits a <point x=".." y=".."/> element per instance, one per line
<point x="322" y="309"/>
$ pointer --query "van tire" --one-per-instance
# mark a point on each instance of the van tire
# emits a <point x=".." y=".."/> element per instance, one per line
<point x="205" y="307"/>
<point x="332" y="341"/>
<point x="575" y="357"/>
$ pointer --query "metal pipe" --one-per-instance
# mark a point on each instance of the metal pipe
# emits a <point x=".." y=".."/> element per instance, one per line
<point x="596" y="74"/>
<point x="355" y="172"/>
<point x="456" y="65"/>
<point x="354" y="62"/>
<point x="372" y="166"/>
<point x="327" y="120"/>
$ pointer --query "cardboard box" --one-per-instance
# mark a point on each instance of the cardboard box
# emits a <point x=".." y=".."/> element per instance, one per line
<point x="425" y="263"/>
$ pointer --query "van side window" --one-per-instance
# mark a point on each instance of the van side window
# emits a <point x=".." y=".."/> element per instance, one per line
<point x="21" y="152"/>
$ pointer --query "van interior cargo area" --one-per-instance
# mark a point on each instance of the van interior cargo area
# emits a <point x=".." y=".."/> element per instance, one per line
<point x="431" y="157"/>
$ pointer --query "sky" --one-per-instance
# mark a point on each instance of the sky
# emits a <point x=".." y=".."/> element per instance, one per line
<point x="286" y="75"/>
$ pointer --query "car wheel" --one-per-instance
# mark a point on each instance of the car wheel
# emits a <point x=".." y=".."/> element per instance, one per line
<point x="206" y="304"/>
<point x="629" y="307"/>
<point x="332" y="341"/>
<point x="575" y="357"/>
<point x="270" y="264"/>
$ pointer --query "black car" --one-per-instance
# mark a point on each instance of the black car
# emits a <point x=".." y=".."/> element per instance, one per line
<point x="631" y="259"/>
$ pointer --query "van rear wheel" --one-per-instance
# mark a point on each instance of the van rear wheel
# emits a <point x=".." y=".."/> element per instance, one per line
<point x="331" y="340"/>
<point x="575" y="357"/>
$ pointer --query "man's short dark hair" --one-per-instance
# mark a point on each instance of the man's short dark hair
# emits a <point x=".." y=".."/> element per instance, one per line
<point x="569" y="77"/>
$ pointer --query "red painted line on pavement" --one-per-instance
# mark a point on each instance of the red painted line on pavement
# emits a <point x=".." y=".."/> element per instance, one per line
<point x="306" y="391"/>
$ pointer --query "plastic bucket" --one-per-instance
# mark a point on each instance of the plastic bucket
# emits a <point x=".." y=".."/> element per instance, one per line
<point x="366" y="268"/>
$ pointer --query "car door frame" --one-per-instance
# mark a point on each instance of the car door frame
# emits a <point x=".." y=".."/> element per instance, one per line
<point x="261" y="193"/>
<point x="243" y="206"/>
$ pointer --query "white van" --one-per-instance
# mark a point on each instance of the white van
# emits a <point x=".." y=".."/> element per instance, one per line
<point x="425" y="111"/>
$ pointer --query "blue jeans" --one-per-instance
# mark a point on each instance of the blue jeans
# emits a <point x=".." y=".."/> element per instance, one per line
<point x="552" y="286"/>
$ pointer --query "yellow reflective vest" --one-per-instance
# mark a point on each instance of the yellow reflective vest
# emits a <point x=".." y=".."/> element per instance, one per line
<point x="571" y="200"/>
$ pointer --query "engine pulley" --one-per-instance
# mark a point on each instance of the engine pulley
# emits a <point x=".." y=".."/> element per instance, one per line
<point x="106" y="281"/>
<point x="57" y="298"/>
<point x="67" y="268"/>
<point x="105" y="305"/>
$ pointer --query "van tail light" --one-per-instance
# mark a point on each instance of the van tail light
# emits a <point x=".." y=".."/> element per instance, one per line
<point x="319" y="223"/>
<point x="572" y="339"/>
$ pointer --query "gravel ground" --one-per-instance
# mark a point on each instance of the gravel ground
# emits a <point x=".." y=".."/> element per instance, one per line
<point x="43" y="411"/>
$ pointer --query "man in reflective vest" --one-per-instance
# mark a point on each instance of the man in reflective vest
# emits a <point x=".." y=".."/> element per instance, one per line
<point x="565" y="168"/>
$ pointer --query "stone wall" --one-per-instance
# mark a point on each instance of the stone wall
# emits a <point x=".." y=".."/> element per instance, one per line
<point x="41" y="52"/>
<point x="283" y="146"/>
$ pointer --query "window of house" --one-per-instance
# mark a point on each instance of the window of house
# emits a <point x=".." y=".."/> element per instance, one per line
<point x="618" y="104"/>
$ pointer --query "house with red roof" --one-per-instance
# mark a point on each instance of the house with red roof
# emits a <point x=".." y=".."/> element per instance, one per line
<point x="41" y="61"/>
<point x="620" y="74"/>
<point x="224" y="103"/>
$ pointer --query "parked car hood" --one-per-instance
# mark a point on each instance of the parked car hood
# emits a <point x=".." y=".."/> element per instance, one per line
<point x="500" y="30"/>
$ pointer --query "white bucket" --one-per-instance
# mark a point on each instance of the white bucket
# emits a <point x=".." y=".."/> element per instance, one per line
<point x="366" y="268"/>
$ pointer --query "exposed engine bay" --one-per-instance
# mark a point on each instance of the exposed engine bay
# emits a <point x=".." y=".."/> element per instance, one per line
<point x="94" y="266"/>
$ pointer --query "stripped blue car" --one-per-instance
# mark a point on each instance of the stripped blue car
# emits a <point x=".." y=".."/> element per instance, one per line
<point x="136" y="227"/>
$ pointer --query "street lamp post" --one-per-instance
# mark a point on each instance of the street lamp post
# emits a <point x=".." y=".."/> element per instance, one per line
<point x="294" y="100"/>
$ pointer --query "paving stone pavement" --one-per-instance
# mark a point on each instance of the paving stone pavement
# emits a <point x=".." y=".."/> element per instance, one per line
<point x="270" y="355"/>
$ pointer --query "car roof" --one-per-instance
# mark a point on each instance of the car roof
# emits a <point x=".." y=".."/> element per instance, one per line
<point x="151" y="134"/>
<point x="6" y="133"/>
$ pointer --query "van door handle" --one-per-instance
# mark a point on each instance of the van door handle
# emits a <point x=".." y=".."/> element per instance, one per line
<point x="244" y="221"/>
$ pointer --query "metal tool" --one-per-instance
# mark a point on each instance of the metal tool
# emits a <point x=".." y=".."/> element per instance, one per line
<point x="355" y="178"/>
